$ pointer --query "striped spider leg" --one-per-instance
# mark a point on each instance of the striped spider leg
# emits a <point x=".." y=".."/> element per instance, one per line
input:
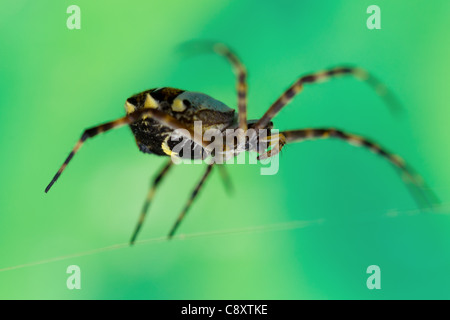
<point x="241" y="84"/>
<point x="423" y="196"/>
<point x="322" y="76"/>
<point x="158" y="179"/>
<point x="128" y="119"/>
<point x="191" y="199"/>
<point x="150" y="194"/>
<point x="238" y="68"/>
<point x="153" y="115"/>
<point x="415" y="183"/>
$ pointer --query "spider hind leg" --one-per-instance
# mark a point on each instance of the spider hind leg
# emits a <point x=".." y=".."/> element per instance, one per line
<point x="189" y="203"/>
<point x="148" y="200"/>
<point x="423" y="196"/>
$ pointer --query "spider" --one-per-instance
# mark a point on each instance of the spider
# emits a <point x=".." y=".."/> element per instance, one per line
<point x="153" y="115"/>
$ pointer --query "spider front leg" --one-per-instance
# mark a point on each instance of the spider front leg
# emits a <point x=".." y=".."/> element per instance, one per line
<point x="89" y="133"/>
<point x="164" y="118"/>
<point x="322" y="76"/>
<point x="423" y="195"/>
<point x="191" y="199"/>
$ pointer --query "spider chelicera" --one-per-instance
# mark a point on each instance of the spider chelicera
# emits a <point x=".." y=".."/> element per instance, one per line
<point x="153" y="115"/>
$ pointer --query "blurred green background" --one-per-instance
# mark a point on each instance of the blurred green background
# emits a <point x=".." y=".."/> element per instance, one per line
<point x="56" y="82"/>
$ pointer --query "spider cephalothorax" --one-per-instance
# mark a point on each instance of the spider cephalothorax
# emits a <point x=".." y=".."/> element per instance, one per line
<point x="157" y="115"/>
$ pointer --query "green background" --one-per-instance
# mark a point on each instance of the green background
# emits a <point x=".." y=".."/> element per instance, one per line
<point x="56" y="82"/>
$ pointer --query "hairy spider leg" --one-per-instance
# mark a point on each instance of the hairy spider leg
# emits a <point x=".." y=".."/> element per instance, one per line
<point x="322" y="76"/>
<point x="191" y="199"/>
<point x="132" y="117"/>
<point x="421" y="194"/>
<point x="148" y="200"/>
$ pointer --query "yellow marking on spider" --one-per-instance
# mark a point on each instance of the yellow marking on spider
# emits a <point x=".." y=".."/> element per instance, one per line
<point x="150" y="102"/>
<point x="166" y="149"/>
<point x="178" y="105"/>
<point x="77" y="146"/>
<point x="242" y="87"/>
<point x="129" y="108"/>
<point x="309" y="133"/>
<point x="321" y="76"/>
<point x="275" y="138"/>
<point x="355" y="140"/>
<point x="298" y="87"/>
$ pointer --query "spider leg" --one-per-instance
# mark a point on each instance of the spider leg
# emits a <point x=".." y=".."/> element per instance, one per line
<point x="422" y="194"/>
<point x="149" y="198"/>
<point x="191" y="199"/>
<point x="238" y="68"/>
<point x="224" y="175"/>
<point x="226" y="179"/>
<point x="241" y="85"/>
<point x="132" y="117"/>
<point x="321" y="76"/>
<point x="276" y="142"/>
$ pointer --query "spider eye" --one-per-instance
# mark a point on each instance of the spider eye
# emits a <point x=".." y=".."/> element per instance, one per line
<point x="187" y="103"/>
